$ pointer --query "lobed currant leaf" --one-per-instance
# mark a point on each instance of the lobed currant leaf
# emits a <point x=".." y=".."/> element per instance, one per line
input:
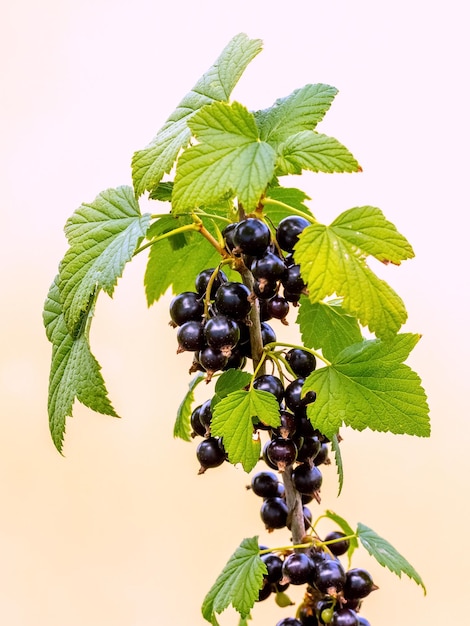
<point x="291" y="197"/>
<point x="339" y="462"/>
<point x="233" y="419"/>
<point x="182" y="427"/>
<point x="229" y="381"/>
<point x="368" y="386"/>
<point x="301" y="110"/>
<point x="309" y="150"/>
<point x="387" y="555"/>
<point x="230" y="158"/>
<point x="327" y="326"/>
<point x="238" y="584"/>
<point x="74" y="373"/>
<point x="150" y="164"/>
<point x="332" y="260"/>
<point x="103" y="236"/>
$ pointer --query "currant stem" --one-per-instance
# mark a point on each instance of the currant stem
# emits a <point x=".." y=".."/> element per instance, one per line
<point x="291" y="209"/>
<point x="270" y="346"/>
<point x="294" y="506"/>
<point x="256" y="341"/>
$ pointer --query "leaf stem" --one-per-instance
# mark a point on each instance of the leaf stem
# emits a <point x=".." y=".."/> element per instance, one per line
<point x="291" y="209"/>
<point x="170" y="233"/>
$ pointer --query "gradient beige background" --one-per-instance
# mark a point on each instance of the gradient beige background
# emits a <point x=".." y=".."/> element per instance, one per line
<point x="121" y="531"/>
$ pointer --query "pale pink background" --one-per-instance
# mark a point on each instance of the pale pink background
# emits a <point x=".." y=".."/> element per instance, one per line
<point x="121" y="531"/>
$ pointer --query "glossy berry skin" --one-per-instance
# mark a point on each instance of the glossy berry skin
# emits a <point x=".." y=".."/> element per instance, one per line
<point x="266" y="458"/>
<point x="307" y="479"/>
<point x="297" y="567"/>
<point x="293" y="394"/>
<point x="196" y="424"/>
<point x="281" y="452"/>
<point x="289" y="621"/>
<point x="301" y="362"/>
<point x="267" y="333"/>
<point x="235" y="361"/>
<point x="322" y="456"/>
<point x="252" y="237"/>
<point x="344" y="617"/>
<point x="274" y="513"/>
<point x="278" y="307"/>
<point x="271" y="384"/>
<point x="358" y="584"/>
<point x="362" y="621"/>
<point x="227" y="234"/>
<point x="203" y="278"/>
<point x="329" y="575"/>
<point x="221" y="332"/>
<point x="231" y="299"/>
<point x="287" y="426"/>
<point x="185" y="307"/>
<point x="211" y="359"/>
<point x="190" y="336"/>
<point x="339" y="547"/>
<point x="292" y="280"/>
<point x="265" y="484"/>
<point x="288" y="231"/>
<point x="274" y="566"/>
<point x="269" y="267"/>
<point x="210" y="453"/>
<point x="309" y="449"/>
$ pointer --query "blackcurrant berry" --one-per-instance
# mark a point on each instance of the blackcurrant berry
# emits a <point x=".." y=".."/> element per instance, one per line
<point x="203" y="278"/>
<point x="322" y="456"/>
<point x="212" y="360"/>
<point x="301" y="362"/>
<point x="329" y="576"/>
<point x="196" y="425"/>
<point x="281" y="452"/>
<point x="358" y="584"/>
<point x="265" y="290"/>
<point x="271" y="384"/>
<point x="185" y="307"/>
<point x="307" y="479"/>
<point x="235" y="361"/>
<point x="190" y="336"/>
<point x="252" y="236"/>
<point x="265" y="590"/>
<point x="227" y="234"/>
<point x="309" y="449"/>
<point x="278" y="307"/>
<point x="292" y="281"/>
<point x="297" y="568"/>
<point x="222" y="333"/>
<point x="269" y="267"/>
<point x="287" y="426"/>
<point x="344" y="617"/>
<point x="288" y="231"/>
<point x="231" y="299"/>
<point x="274" y="566"/>
<point x="338" y="547"/>
<point x="265" y="484"/>
<point x="210" y="453"/>
<point x="274" y="513"/>
<point x="289" y="621"/>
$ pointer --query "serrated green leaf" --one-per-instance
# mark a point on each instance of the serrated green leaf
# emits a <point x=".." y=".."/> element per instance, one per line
<point x="239" y="582"/>
<point x="387" y="555"/>
<point x="229" y="381"/>
<point x="368" y="386"/>
<point x="279" y="202"/>
<point x="233" y="419"/>
<point x="162" y="192"/>
<point x="339" y="462"/>
<point x="331" y="263"/>
<point x="103" y="236"/>
<point x="367" y="229"/>
<point x="327" y="326"/>
<point x="74" y="374"/>
<point x="347" y="530"/>
<point x="229" y="159"/>
<point x="150" y="164"/>
<point x="182" y="428"/>
<point x="309" y="150"/>
<point x="301" y="110"/>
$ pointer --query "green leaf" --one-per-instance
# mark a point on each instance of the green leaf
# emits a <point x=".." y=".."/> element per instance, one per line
<point x="339" y="462"/>
<point x="347" y="530"/>
<point x="367" y="229"/>
<point x="368" y="386"/>
<point x="150" y="164"/>
<point x="332" y="263"/>
<point x="233" y="419"/>
<point x="387" y="555"/>
<point x="238" y="584"/>
<point x="103" y="236"/>
<point x="162" y="192"/>
<point x="229" y="158"/>
<point x="229" y="381"/>
<point x="299" y="111"/>
<point x="75" y="373"/>
<point x="309" y="150"/>
<point x="177" y="267"/>
<point x="182" y="428"/>
<point x="281" y="202"/>
<point x="326" y="325"/>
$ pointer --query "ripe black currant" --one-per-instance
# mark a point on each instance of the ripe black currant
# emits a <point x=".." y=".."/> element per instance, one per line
<point x="329" y="576"/>
<point x="212" y="360"/>
<point x="338" y="547"/>
<point x="289" y="621"/>
<point x="281" y="452"/>
<point x="288" y="231"/>
<point x="301" y="362"/>
<point x="185" y="307"/>
<point x="265" y="484"/>
<point x="309" y="449"/>
<point x="274" y="566"/>
<point x="344" y="617"/>
<point x="252" y="237"/>
<point x="271" y="384"/>
<point x="210" y="453"/>
<point x="196" y="425"/>
<point x="190" y="336"/>
<point x="359" y="584"/>
<point x="278" y="307"/>
<point x="297" y="568"/>
<point x="269" y="267"/>
<point x="231" y="299"/>
<point x="274" y="513"/>
<point x="222" y="333"/>
<point x="307" y="479"/>
<point x="292" y="280"/>
<point x="203" y="278"/>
